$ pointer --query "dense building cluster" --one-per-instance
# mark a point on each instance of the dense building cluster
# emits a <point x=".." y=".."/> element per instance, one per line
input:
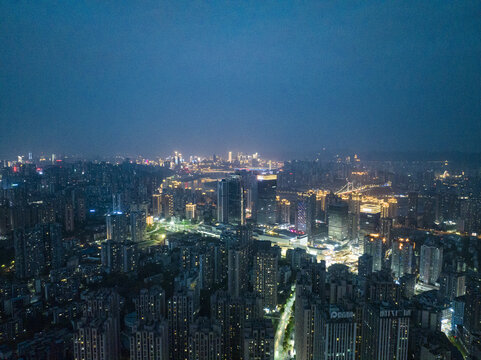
<point x="239" y="258"/>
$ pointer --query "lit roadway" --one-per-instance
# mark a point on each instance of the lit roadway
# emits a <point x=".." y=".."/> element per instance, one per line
<point x="279" y="353"/>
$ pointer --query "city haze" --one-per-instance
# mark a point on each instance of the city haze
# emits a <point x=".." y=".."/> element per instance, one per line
<point x="274" y="77"/>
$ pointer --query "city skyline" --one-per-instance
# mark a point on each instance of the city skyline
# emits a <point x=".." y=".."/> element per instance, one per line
<point x="240" y="180"/>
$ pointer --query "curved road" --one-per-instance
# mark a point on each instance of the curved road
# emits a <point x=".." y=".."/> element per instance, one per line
<point x="279" y="353"/>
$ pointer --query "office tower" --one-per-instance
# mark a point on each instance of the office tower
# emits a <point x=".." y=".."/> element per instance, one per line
<point x="137" y="226"/>
<point x="259" y="340"/>
<point x="430" y="263"/>
<point x="205" y="340"/>
<point x="229" y="156"/>
<point x="385" y="334"/>
<point x="373" y="244"/>
<point x="190" y="211"/>
<point x="301" y="216"/>
<point x="458" y="306"/>
<point x="354" y="212"/>
<point x="181" y="314"/>
<point x="237" y="268"/>
<point x="402" y="257"/>
<point x="230" y="201"/>
<point x="97" y="334"/>
<point x="284" y="211"/>
<point x="157" y="205"/>
<point x="150" y="304"/>
<point x="265" y="277"/>
<point x="232" y="314"/>
<point x="266" y="199"/>
<point x="149" y="341"/>
<point x="369" y="220"/>
<point x="336" y="337"/>
<point x="338" y="222"/>
<point x="117" y="226"/>
<point x="69" y="217"/>
<point x="452" y="284"/>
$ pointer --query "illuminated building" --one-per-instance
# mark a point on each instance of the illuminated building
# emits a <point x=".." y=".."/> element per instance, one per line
<point x="385" y="333"/>
<point x="402" y="257"/>
<point x="230" y="201"/>
<point x="430" y="264"/>
<point x="117" y="226"/>
<point x="181" y="313"/>
<point x="266" y="206"/>
<point x="233" y="313"/>
<point x="167" y="206"/>
<point x="265" y="277"/>
<point x="237" y="267"/>
<point x="285" y="211"/>
<point x="336" y="336"/>
<point x="37" y="249"/>
<point x="157" y="205"/>
<point x="97" y="334"/>
<point x="137" y="226"/>
<point x="150" y="304"/>
<point x="190" y="211"/>
<point x="338" y="222"/>
<point x="373" y="245"/>
<point x="205" y="340"/>
<point x="118" y="256"/>
<point x="229" y="156"/>
<point x="149" y="341"/>
<point x="259" y="340"/>
<point x="369" y="219"/>
<point x="69" y="217"/>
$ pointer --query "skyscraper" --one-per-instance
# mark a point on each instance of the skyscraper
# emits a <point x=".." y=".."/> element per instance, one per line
<point x="37" y="250"/>
<point x="402" y="257"/>
<point x="373" y="247"/>
<point x="338" y="222"/>
<point x="98" y="332"/>
<point x="230" y="201"/>
<point x="336" y="338"/>
<point x="117" y="226"/>
<point x="237" y="268"/>
<point x="150" y="304"/>
<point x="181" y="314"/>
<point x="266" y="199"/>
<point x="430" y="264"/>
<point x="385" y="333"/>
<point x="137" y="226"/>
<point x="265" y="277"/>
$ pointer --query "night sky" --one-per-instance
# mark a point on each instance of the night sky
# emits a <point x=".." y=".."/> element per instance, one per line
<point x="277" y="77"/>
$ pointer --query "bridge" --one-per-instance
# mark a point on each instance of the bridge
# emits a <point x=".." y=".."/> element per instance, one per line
<point x="350" y="188"/>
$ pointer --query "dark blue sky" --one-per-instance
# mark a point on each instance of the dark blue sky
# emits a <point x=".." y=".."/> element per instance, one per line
<point x="270" y="76"/>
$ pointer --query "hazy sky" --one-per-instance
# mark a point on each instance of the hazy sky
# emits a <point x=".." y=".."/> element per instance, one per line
<point x="207" y="76"/>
